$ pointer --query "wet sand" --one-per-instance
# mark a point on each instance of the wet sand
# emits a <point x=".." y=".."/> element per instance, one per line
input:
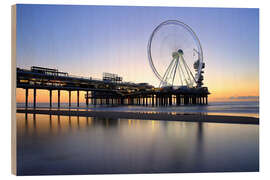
<point x="147" y="116"/>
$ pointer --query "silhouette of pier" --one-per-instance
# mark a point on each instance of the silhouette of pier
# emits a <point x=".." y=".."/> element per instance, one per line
<point x="110" y="90"/>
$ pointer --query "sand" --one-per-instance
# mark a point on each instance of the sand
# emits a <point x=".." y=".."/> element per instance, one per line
<point x="147" y="116"/>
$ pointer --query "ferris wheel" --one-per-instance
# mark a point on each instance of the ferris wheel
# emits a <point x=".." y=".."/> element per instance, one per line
<point x="173" y="48"/>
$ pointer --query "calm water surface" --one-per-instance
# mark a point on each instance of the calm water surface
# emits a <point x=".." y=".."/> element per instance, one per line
<point x="85" y="145"/>
<point x="229" y="108"/>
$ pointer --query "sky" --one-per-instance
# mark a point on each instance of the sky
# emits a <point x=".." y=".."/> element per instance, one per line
<point x="90" y="40"/>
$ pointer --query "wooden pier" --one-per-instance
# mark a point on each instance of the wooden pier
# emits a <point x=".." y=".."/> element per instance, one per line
<point x="105" y="91"/>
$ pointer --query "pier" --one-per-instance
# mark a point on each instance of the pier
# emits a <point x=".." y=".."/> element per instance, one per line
<point x="110" y="90"/>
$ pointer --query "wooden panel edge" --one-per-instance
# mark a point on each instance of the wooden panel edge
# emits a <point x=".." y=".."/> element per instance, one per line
<point x="13" y="92"/>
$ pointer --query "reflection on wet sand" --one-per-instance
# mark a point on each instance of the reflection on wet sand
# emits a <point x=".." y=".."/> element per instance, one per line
<point x="65" y="123"/>
<point x="85" y="145"/>
<point x="47" y="123"/>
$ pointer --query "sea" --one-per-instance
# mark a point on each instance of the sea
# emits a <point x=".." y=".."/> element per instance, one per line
<point x="229" y="108"/>
<point x="56" y="144"/>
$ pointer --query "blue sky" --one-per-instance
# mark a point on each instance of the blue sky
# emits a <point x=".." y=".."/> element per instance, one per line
<point x="89" y="40"/>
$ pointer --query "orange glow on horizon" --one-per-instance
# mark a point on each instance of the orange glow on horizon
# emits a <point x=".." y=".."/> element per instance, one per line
<point x="43" y="96"/>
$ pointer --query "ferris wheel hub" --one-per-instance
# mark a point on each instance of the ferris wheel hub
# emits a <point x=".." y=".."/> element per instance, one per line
<point x="180" y="51"/>
<point x="175" y="55"/>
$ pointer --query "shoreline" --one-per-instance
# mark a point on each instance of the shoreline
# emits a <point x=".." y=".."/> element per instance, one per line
<point x="161" y="116"/>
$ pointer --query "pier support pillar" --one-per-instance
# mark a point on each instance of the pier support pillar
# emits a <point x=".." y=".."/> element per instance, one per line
<point x="58" y="98"/>
<point x="163" y="101"/>
<point x="50" y="91"/>
<point x="87" y="100"/>
<point x="170" y="100"/>
<point x="206" y="99"/>
<point x="78" y="98"/>
<point x="178" y="100"/>
<point x="69" y="99"/>
<point x="26" y="97"/>
<point x="185" y="100"/>
<point x="35" y="97"/>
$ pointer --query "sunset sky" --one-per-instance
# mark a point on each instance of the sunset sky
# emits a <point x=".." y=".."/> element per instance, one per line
<point x="90" y="40"/>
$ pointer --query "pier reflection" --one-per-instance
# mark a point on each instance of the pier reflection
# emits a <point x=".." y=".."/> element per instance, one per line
<point x="110" y="145"/>
<point x="58" y="123"/>
<point x="40" y="124"/>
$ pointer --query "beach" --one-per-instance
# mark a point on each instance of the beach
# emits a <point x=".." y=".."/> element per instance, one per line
<point x="67" y="144"/>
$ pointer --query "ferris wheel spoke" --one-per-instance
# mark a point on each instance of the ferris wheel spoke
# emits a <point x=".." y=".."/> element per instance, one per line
<point x="189" y="69"/>
<point x="185" y="65"/>
<point x="168" y="74"/>
<point x="171" y="70"/>
<point x="176" y="65"/>
<point x="179" y="72"/>
<point x="183" y="74"/>
<point x="165" y="76"/>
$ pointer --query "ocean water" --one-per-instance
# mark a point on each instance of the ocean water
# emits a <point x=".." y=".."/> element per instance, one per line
<point x="232" y="108"/>
<point x="48" y="144"/>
